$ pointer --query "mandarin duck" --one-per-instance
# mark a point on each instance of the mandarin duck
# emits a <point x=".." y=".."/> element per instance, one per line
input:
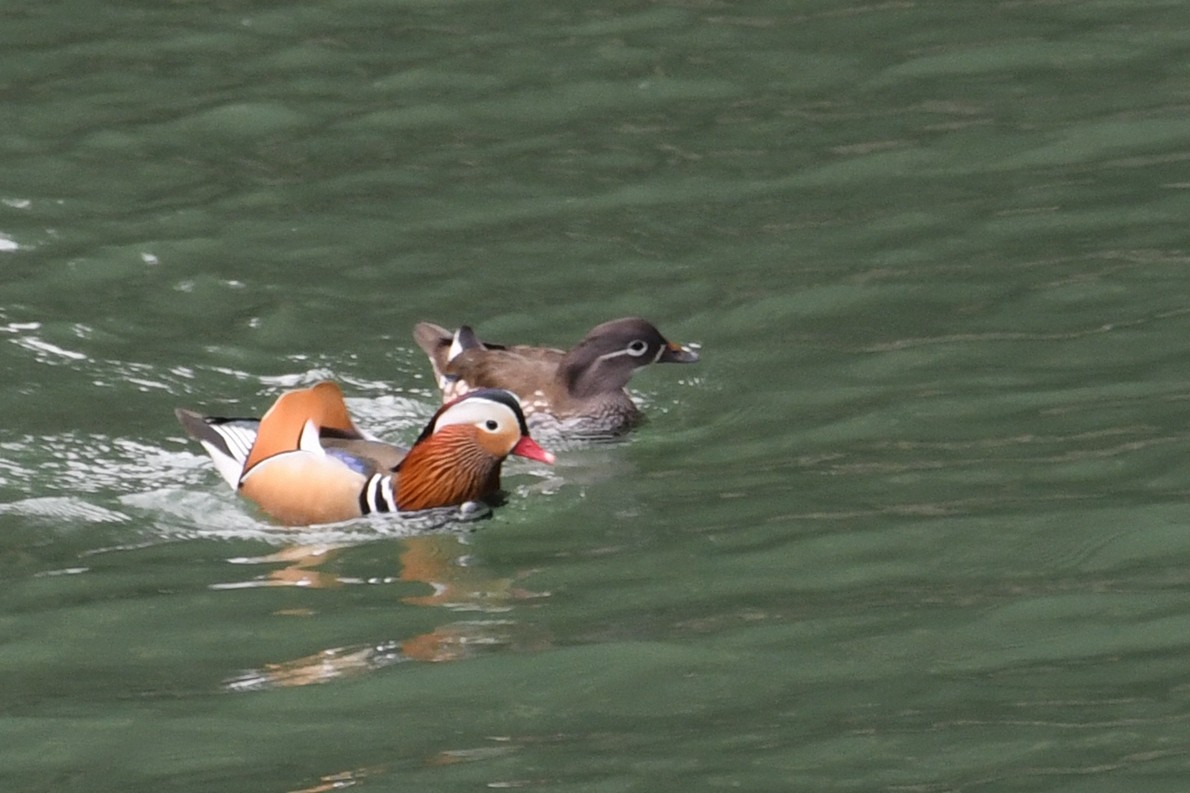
<point x="577" y="393"/>
<point x="306" y="462"/>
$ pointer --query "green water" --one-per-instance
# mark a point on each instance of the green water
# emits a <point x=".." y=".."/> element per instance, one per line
<point x="917" y="521"/>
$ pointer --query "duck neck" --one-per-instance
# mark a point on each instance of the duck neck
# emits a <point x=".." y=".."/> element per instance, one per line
<point x="585" y="375"/>
<point x="446" y="469"/>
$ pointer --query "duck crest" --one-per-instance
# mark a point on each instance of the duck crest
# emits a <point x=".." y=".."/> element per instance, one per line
<point x="459" y="453"/>
<point x="468" y="408"/>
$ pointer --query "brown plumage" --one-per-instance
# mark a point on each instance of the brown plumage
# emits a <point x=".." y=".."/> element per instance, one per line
<point x="306" y="462"/>
<point x="446" y="470"/>
<point x="577" y="392"/>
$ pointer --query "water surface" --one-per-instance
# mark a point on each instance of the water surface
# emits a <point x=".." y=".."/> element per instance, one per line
<point x="917" y="520"/>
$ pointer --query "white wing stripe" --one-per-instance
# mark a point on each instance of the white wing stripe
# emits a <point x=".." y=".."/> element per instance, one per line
<point x="239" y="440"/>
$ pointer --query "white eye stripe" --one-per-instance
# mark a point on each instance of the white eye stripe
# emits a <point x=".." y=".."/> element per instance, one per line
<point x="477" y="411"/>
<point x="635" y="349"/>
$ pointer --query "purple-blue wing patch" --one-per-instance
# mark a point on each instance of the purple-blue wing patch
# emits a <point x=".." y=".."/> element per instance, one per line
<point x="350" y="460"/>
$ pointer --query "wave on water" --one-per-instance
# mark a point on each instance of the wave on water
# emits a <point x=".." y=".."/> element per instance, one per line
<point x="163" y="491"/>
<point x="170" y="495"/>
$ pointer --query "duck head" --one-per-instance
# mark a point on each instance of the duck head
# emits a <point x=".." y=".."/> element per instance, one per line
<point x="457" y="457"/>
<point x="610" y="354"/>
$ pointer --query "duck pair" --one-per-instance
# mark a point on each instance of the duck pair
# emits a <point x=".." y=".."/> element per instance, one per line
<point x="305" y="461"/>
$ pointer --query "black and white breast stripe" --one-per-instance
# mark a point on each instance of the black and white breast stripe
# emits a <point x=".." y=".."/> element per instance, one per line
<point x="377" y="495"/>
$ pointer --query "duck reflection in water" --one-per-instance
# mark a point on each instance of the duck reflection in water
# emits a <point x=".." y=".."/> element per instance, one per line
<point x="457" y="583"/>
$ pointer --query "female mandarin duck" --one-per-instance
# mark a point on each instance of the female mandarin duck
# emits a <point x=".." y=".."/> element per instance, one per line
<point x="306" y="462"/>
<point x="580" y="392"/>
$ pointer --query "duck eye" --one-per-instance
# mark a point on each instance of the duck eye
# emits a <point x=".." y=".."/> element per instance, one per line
<point x="491" y="424"/>
<point x="637" y="348"/>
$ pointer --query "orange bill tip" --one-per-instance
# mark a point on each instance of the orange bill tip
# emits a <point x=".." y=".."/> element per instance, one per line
<point x="527" y="447"/>
<point x="673" y="352"/>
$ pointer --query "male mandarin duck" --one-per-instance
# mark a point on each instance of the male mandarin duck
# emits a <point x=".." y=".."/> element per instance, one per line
<point x="579" y="392"/>
<point x="306" y="462"/>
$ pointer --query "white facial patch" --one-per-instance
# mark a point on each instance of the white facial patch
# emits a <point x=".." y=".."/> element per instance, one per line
<point x="477" y="411"/>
